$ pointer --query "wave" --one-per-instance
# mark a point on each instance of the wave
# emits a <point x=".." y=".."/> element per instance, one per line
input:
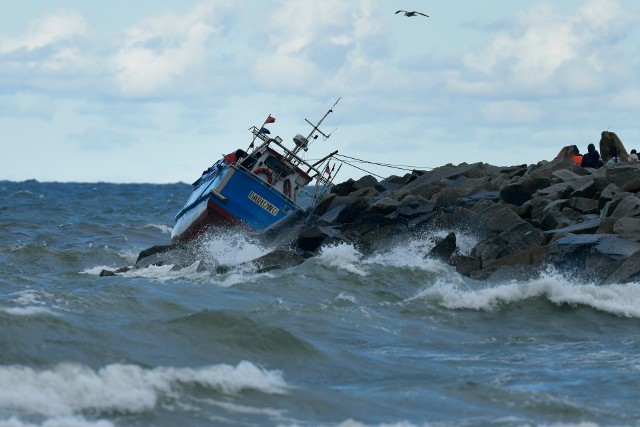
<point x="66" y="390"/>
<point x="617" y="299"/>
<point x="163" y="228"/>
<point x="57" y="422"/>
<point x="29" y="303"/>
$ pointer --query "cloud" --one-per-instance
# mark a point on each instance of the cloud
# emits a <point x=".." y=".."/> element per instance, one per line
<point x="543" y="52"/>
<point x="329" y="45"/>
<point x="159" y="49"/>
<point x="56" y="28"/>
<point x="49" y="44"/>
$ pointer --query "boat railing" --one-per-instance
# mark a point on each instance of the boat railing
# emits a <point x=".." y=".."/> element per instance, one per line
<point x="291" y="155"/>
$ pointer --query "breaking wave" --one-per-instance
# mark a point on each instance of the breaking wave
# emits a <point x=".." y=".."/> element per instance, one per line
<point x="617" y="299"/>
<point x="66" y="390"/>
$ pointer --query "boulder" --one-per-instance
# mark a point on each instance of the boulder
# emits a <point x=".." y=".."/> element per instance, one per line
<point x="623" y="174"/>
<point x="312" y="238"/>
<point x="414" y="206"/>
<point x="277" y="260"/>
<point x="496" y="217"/>
<point x="609" y="142"/>
<point x="629" y="206"/>
<point x="629" y="271"/>
<point x="443" y="248"/>
<point x="628" y="228"/>
<point x="518" y="193"/>
<point x="519" y="238"/>
<point x="385" y="206"/>
<point x="465" y="264"/>
<point x="590" y="256"/>
<point x="534" y="257"/>
<point x="584" y="205"/>
<point x="349" y="186"/>
<point x="585" y="227"/>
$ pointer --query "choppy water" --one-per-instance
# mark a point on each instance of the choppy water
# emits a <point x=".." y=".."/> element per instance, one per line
<point x="341" y="340"/>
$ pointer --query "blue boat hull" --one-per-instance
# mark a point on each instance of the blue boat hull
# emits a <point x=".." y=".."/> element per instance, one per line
<point x="231" y="197"/>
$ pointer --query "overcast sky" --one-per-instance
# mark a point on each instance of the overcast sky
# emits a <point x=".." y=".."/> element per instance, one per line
<point x="141" y="91"/>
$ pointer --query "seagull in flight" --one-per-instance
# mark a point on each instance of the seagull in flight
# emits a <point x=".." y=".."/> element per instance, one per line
<point x="414" y="13"/>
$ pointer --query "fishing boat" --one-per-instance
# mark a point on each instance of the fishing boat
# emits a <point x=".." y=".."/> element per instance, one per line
<point x="255" y="188"/>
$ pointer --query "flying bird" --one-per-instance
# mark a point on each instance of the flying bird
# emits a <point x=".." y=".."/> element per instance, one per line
<point x="414" y="13"/>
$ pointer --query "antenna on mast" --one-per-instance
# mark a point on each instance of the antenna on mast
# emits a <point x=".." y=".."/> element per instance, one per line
<point x="302" y="143"/>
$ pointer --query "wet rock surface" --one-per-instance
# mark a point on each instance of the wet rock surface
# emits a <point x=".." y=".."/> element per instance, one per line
<point x="524" y="218"/>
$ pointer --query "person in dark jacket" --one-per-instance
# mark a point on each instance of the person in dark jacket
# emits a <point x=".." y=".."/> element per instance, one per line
<point x="592" y="158"/>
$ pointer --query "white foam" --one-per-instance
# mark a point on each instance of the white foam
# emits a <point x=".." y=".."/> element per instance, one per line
<point x="57" y="422"/>
<point x="128" y="255"/>
<point x="28" y="311"/>
<point x="354" y="423"/>
<point x="30" y="297"/>
<point x="343" y="256"/>
<point x="29" y="303"/>
<point x="411" y="254"/>
<point x="231" y="248"/>
<point x="95" y="271"/>
<point x="67" y="389"/>
<point x="618" y="299"/>
<point x="163" y="228"/>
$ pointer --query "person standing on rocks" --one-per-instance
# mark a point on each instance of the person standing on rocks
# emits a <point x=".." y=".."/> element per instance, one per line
<point x="577" y="157"/>
<point x="592" y="158"/>
<point x="614" y="158"/>
<point x="633" y="157"/>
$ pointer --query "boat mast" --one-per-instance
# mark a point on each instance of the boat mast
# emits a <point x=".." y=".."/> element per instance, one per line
<point x="305" y="144"/>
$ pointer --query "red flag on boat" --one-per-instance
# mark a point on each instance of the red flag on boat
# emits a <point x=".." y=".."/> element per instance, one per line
<point x="327" y="170"/>
<point x="270" y="119"/>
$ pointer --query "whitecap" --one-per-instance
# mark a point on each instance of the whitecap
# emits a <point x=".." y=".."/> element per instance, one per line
<point x="343" y="256"/>
<point x="57" y="422"/>
<point x="617" y="299"/>
<point x="28" y="311"/>
<point x="163" y="228"/>
<point x="68" y="389"/>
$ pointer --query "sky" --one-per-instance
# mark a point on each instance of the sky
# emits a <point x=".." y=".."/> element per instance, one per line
<point x="155" y="92"/>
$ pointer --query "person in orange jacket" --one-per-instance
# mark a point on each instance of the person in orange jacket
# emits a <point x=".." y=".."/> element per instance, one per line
<point x="577" y="157"/>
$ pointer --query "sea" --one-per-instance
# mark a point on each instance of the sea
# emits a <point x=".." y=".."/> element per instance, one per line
<point x="344" y="339"/>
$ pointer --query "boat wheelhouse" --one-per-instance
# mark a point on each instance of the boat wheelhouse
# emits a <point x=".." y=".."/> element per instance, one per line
<point x="254" y="188"/>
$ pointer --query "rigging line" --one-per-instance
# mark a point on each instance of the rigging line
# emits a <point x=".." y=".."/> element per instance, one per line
<point x="364" y="170"/>
<point x="383" y="164"/>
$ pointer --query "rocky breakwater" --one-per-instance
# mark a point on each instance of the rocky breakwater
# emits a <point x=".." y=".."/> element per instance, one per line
<point x="583" y="222"/>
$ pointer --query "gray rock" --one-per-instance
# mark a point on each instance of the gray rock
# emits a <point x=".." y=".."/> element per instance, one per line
<point x="584" y="205"/>
<point x="312" y="238"/>
<point x="630" y="206"/>
<point x="629" y="271"/>
<point x="591" y="256"/>
<point x="521" y="191"/>
<point x="443" y="248"/>
<point x="585" y="227"/>
<point x="628" y="228"/>
<point x="277" y="260"/>
<point x="465" y="264"/>
<point x="385" y="206"/>
<point x="534" y="257"/>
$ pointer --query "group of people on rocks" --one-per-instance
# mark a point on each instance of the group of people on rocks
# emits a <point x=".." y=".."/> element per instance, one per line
<point x="593" y="160"/>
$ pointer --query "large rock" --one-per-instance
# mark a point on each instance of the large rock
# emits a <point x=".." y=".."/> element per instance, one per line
<point x="628" y="228"/>
<point x="349" y="186"/>
<point x="444" y="248"/>
<point x="609" y="142"/>
<point x="519" y="238"/>
<point x="518" y="193"/>
<point x="310" y="239"/>
<point x="629" y="271"/>
<point x="590" y="256"/>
